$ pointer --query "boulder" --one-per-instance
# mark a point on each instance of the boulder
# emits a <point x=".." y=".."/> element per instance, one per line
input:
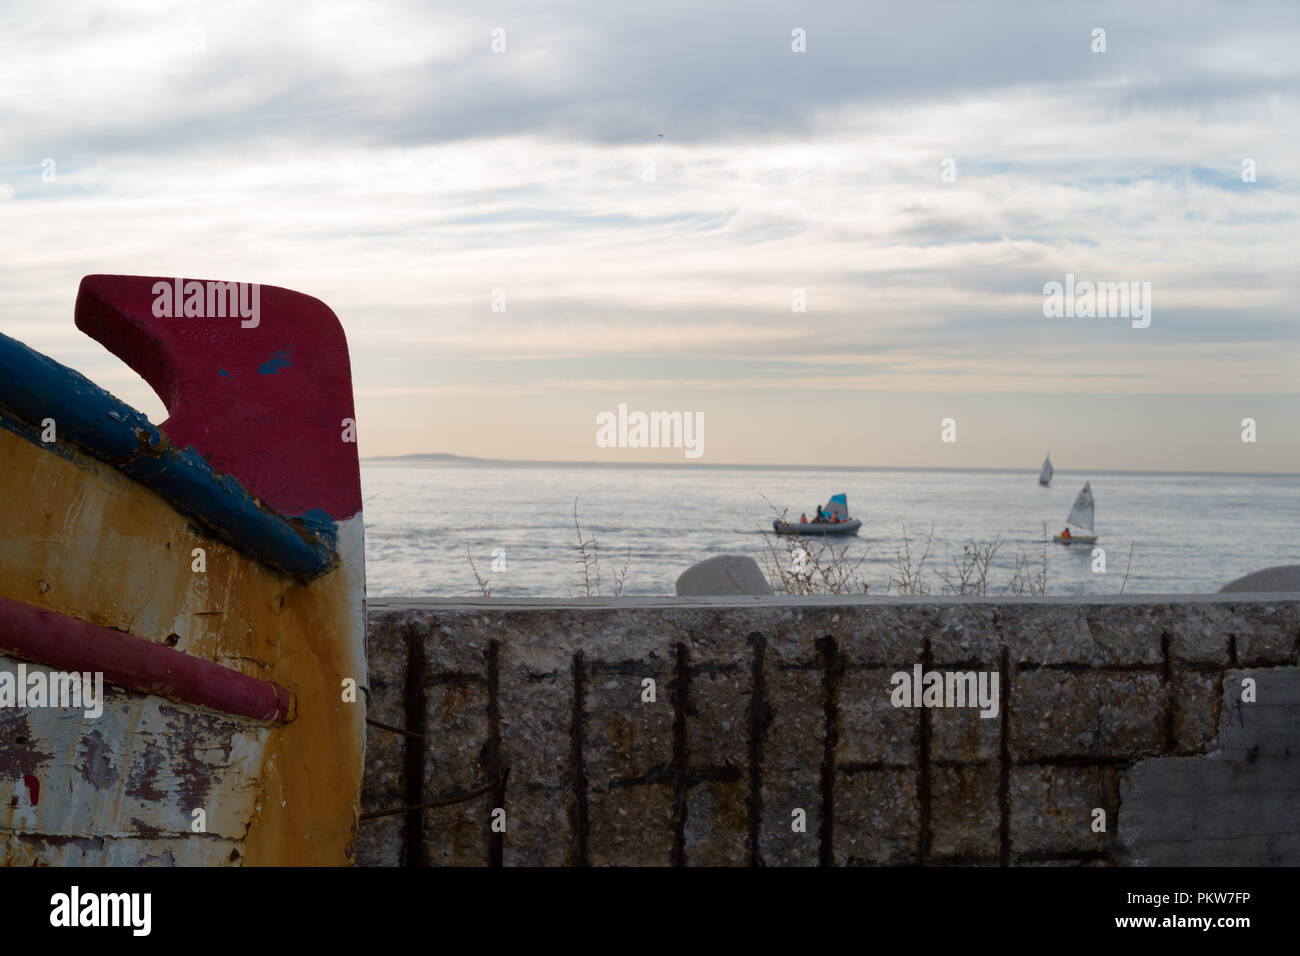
<point x="724" y="574"/>
<point x="1283" y="577"/>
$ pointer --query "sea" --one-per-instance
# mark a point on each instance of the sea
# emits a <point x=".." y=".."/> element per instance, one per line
<point x="429" y="524"/>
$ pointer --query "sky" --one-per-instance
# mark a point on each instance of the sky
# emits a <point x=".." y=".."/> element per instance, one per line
<point x="625" y="204"/>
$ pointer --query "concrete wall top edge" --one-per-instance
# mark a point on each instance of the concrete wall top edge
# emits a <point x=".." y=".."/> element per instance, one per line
<point x="397" y="603"/>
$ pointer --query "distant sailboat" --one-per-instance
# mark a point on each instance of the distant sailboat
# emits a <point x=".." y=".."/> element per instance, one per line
<point x="1081" y="515"/>
<point x="1045" y="476"/>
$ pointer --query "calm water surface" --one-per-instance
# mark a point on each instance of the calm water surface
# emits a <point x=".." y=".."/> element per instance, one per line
<point x="1190" y="533"/>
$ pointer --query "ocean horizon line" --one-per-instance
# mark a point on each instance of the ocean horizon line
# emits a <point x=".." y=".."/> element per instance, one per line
<point x="451" y="459"/>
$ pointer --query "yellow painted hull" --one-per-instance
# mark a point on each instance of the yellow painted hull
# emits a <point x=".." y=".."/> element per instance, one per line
<point x="79" y="538"/>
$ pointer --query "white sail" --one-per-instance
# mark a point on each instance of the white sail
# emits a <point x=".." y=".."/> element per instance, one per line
<point x="1045" y="476"/>
<point x="1081" y="513"/>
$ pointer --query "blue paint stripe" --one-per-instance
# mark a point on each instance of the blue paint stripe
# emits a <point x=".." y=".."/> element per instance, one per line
<point x="35" y="387"/>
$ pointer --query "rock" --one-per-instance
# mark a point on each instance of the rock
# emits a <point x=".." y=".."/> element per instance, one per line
<point x="723" y="574"/>
<point x="1283" y="577"/>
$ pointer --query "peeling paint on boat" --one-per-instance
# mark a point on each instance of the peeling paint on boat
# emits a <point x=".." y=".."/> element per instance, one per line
<point x="139" y="771"/>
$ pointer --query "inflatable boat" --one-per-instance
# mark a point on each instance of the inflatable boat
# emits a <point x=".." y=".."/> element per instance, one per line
<point x="182" y="606"/>
<point x="818" y="527"/>
<point x="835" y="520"/>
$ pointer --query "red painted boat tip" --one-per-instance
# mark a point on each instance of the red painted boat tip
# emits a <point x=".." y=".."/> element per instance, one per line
<point x="255" y="377"/>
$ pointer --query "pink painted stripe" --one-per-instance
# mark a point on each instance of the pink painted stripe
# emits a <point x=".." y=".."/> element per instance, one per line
<point x="65" y="643"/>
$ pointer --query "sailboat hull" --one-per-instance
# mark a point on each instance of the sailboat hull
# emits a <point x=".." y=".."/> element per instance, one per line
<point x="1076" y="539"/>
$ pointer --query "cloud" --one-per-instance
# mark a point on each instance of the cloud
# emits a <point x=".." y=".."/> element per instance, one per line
<point x="384" y="159"/>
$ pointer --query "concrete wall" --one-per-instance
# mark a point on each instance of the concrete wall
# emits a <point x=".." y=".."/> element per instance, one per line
<point x="769" y="706"/>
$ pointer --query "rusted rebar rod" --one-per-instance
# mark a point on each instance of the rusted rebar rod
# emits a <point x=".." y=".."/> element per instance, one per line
<point x="440" y="803"/>
<point x="391" y="728"/>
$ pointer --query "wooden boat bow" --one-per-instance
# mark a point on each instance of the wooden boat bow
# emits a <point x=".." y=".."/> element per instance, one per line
<point x="209" y="568"/>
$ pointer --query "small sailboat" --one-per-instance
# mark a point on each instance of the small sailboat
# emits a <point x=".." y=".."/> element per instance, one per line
<point x="1080" y="516"/>
<point x="835" y="520"/>
<point x="1045" y="476"/>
